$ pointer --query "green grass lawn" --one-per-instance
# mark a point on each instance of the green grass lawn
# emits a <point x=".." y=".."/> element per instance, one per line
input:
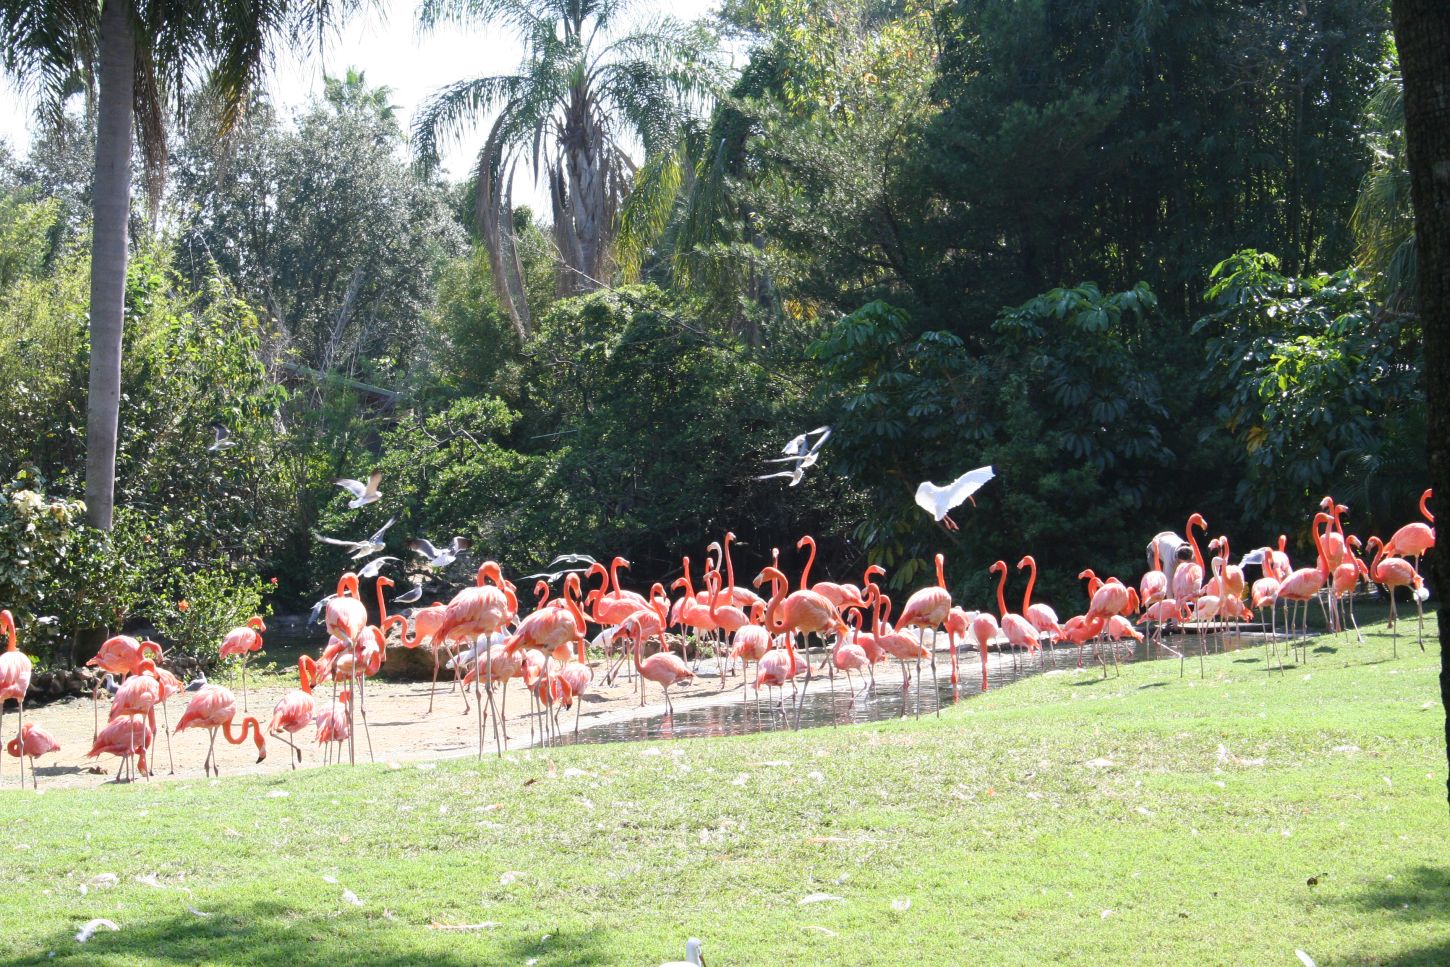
<point x="1145" y="819"/>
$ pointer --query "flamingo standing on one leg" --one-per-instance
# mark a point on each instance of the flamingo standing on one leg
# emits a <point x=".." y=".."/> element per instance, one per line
<point x="33" y="741"/>
<point x="14" y="676"/>
<point x="243" y="641"/>
<point x="213" y="708"/>
<point x="1396" y="572"/>
<point x="1413" y="540"/>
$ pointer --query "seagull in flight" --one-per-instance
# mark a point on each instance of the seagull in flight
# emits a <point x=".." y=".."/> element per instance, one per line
<point x="802" y="452"/>
<point x="362" y="493"/>
<point x="361" y="549"/>
<point x="552" y="576"/>
<point x="317" y="609"/>
<point x="223" y="438"/>
<point x="371" y="568"/>
<point x="938" y="501"/>
<point x="800" y="445"/>
<point x="436" y="557"/>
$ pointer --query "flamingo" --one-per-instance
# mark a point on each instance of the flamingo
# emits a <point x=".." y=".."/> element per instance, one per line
<point x="800" y="611"/>
<point x="425" y="625"/>
<point x="1079" y="630"/>
<point x="482" y="610"/>
<point x="664" y="668"/>
<point x="1396" y="572"/>
<point x="247" y="639"/>
<point x="740" y="597"/>
<point x="1413" y="540"/>
<point x="1040" y="616"/>
<point x="1332" y="546"/>
<point x="729" y="618"/>
<point x="127" y="736"/>
<point x="334" y="723"/>
<point x="578" y="676"/>
<point x="14" y="676"/>
<point x="612" y="604"/>
<point x="778" y="665"/>
<point x="294" y="711"/>
<point x="928" y="608"/>
<point x="1019" y="631"/>
<point x="841" y="595"/>
<point x="31" y="742"/>
<point x="212" y="708"/>
<point x="1345" y="580"/>
<point x="118" y="655"/>
<point x="984" y="630"/>
<point x="1188" y="575"/>
<point x="1305" y="584"/>
<point x="1280" y="559"/>
<point x="958" y="625"/>
<point x="1153" y="586"/>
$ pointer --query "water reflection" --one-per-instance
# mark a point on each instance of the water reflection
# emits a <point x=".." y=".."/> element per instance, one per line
<point x="821" y="706"/>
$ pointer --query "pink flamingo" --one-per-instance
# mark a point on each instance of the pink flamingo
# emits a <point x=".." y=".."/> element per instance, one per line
<point x="612" y="604"/>
<point x="118" y="655"/>
<point x="1331" y="544"/>
<point x="984" y="630"/>
<point x="1305" y="584"/>
<point x="925" y="609"/>
<point x="664" y="668"/>
<point x="1040" y="616"/>
<point x="778" y="665"/>
<point x="1019" y="631"/>
<point x="245" y="640"/>
<point x="212" y="708"/>
<point x="1345" y="581"/>
<point x="1153" y="586"/>
<point x="1396" y="572"/>
<point x="738" y="596"/>
<point x="334" y="724"/>
<point x="958" y="625"/>
<point x="32" y="742"/>
<point x="804" y="612"/>
<point x="1188" y="575"/>
<point x="14" y="676"/>
<point x="728" y="619"/>
<point x="841" y="595"/>
<point x="1280" y="559"/>
<point x="481" y="610"/>
<point x="294" y="711"/>
<point x="127" y="736"/>
<point x="1413" y="540"/>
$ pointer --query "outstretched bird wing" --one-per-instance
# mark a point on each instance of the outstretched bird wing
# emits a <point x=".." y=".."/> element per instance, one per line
<point x="938" y="501"/>
<point x="375" y="478"/>
<point x="421" y="545"/>
<point x="460" y="544"/>
<point x="351" y="545"/>
<point x="371" y="569"/>
<point x="378" y="537"/>
<point x="223" y="438"/>
<point x="355" y="487"/>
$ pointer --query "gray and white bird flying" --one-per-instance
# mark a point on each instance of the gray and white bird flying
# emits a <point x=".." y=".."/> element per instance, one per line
<point x="362" y="493"/>
<point x="436" y="557"/>
<point x="361" y="549"/>
<point x="223" y="438"/>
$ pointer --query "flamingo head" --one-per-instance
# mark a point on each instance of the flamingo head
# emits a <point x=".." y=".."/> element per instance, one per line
<point x="1196" y="520"/>
<point x="541" y="588"/>
<point x="347" y="585"/>
<point x="13" y="747"/>
<point x="657" y="592"/>
<point x="619" y="562"/>
<point x="599" y="569"/>
<point x="1327" y="504"/>
<point x="150" y="646"/>
<point x="875" y="570"/>
<point x="7" y="626"/>
<point x="1087" y="575"/>
<point x="806" y="541"/>
<point x="257" y="624"/>
<point x="997" y="566"/>
<point x="489" y="571"/>
<point x="1027" y="561"/>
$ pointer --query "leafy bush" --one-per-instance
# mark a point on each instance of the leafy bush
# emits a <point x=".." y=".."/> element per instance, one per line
<point x="1318" y="384"/>
<point x="210" y="602"/>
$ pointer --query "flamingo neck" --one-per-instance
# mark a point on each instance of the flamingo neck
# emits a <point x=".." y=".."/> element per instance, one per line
<point x="810" y="560"/>
<point x="1424" y="505"/>
<point x="1197" y="554"/>
<point x="1032" y="581"/>
<point x="1001" y="587"/>
<point x="729" y="564"/>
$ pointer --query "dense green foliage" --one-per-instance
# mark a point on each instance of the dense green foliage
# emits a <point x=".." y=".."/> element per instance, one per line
<point x="977" y="233"/>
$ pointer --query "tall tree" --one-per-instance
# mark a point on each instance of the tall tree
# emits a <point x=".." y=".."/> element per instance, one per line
<point x="587" y="86"/>
<point x="1422" y="32"/>
<point x="142" y="56"/>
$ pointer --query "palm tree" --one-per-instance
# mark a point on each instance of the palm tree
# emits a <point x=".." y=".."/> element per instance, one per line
<point x="588" y="85"/>
<point x="141" y="57"/>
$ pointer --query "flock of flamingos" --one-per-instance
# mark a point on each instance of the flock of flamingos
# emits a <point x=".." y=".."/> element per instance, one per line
<point x="490" y="644"/>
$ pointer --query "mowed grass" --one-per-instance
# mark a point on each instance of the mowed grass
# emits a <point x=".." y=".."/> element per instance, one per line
<point x="1145" y="819"/>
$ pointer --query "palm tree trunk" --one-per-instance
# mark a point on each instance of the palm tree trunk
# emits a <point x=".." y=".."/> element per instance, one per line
<point x="1422" y="33"/>
<point x="112" y="209"/>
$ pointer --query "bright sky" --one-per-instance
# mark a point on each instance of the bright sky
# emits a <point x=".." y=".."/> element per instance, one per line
<point x="386" y="46"/>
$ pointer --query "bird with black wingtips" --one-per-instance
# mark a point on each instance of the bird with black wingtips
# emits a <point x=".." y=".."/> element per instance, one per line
<point x="436" y="557"/>
<point x="361" y="549"/>
<point x="223" y="438"/>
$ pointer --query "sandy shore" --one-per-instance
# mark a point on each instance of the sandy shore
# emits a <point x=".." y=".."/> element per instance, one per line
<point x="401" y="727"/>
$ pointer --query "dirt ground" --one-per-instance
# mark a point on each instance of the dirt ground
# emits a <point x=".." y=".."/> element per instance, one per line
<point x="402" y="730"/>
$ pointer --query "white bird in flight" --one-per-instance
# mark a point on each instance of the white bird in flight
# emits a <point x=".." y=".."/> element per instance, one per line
<point x="436" y="557"/>
<point x="361" y="549"/>
<point x="362" y="493"/>
<point x="802" y="453"/>
<point x="938" y="501"/>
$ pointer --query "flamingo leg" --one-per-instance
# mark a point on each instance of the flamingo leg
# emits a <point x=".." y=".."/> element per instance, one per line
<point x="166" y="723"/>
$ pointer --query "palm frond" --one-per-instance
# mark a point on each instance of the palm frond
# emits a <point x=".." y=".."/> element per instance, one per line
<point x="450" y="112"/>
